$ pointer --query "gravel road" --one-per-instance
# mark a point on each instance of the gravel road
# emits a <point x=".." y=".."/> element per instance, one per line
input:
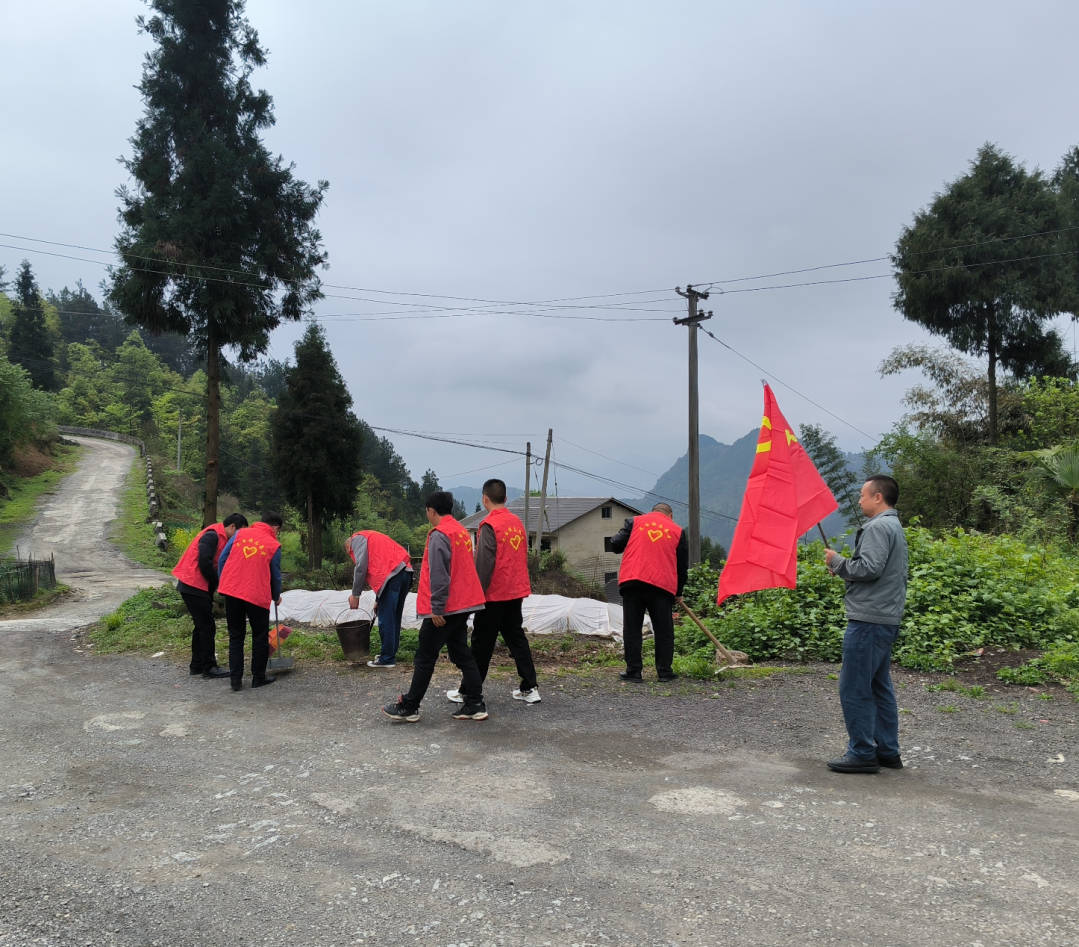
<point x="140" y="806"/>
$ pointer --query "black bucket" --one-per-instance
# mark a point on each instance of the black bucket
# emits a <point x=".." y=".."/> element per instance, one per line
<point x="355" y="638"/>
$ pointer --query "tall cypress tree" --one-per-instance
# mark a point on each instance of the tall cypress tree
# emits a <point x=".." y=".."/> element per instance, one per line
<point x="219" y="241"/>
<point x="317" y="439"/>
<point x="30" y="345"/>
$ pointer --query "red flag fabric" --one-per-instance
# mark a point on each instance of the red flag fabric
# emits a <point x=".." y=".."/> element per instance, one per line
<point x="784" y="498"/>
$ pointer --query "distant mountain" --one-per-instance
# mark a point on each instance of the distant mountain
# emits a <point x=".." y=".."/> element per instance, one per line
<point x="724" y="471"/>
<point x="470" y="496"/>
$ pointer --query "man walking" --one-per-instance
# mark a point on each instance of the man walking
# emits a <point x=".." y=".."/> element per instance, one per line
<point x="876" y="577"/>
<point x="502" y="566"/>
<point x="651" y="578"/>
<point x="382" y="564"/>
<point x="449" y="590"/>
<point x="250" y="571"/>
<point x="196" y="581"/>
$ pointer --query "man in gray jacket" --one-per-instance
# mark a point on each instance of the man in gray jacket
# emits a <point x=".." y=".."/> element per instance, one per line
<point x="876" y="577"/>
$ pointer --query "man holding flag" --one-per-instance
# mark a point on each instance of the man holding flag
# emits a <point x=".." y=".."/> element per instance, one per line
<point x="876" y="577"/>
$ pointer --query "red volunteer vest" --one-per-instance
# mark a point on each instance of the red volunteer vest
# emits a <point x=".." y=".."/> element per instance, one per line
<point x="510" y="578"/>
<point x="247" y="570"/>
<point x="466" y="593"/>
<point x="650" y="554"/>
<point x="187" y="569"/>
<point x="383" y="556"/>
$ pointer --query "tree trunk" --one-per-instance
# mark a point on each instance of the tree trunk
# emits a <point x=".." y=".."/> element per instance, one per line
<point x="213" y="426"/>
<point x="314" y="535"/>
<point x="992" y="347"/>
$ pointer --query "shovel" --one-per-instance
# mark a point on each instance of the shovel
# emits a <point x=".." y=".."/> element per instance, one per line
<point x="724" y="656"/>
<point x="280" y="663"/>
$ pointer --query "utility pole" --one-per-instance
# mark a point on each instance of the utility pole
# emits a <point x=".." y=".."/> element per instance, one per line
<point x="528" y="487"/>
<point x="543" y="494"/>
<point x="692" y="321"/>
<point x="179" y="428"/>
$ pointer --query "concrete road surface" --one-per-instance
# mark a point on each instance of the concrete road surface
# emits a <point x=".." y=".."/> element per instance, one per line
<point x="142" y="806"/>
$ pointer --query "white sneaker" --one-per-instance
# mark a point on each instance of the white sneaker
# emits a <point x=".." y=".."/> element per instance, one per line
<point x="529" y="697"/>
<point x="455" y="696"/>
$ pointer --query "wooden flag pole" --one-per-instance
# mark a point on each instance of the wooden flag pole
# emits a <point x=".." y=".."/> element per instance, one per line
<point x="822" y="536"/>
<point x="731" y="657"/>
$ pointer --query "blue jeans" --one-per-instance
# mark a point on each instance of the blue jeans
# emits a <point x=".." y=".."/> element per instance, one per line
<point x="865" y="690"/>
<point x="391" y="606"/>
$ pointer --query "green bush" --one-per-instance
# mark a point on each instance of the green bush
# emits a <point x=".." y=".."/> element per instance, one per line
<point x="966" y="591"/>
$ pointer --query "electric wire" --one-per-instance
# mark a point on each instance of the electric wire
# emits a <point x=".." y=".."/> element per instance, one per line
<point x="790" y="387"/>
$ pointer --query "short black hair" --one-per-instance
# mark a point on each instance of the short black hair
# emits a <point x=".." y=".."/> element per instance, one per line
<point x="273" y="519"/>
<point x="235" y="519"/>
<point x="886" y="486"/>
<point x="441" y="501"/>
<point x="495" y="490"/>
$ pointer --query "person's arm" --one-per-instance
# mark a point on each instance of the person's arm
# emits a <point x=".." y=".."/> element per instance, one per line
<point x="619" y="539"/>
<point x="867" y="564"/>
<point x="682" y="560"/>
<point x="224" y="556"/>
<point x="486" y="553"/>
<point x="207" y="548"/>
<point x="438" y="565"/>
<point x="359" y="574"/>
<point x="275" y="576"/>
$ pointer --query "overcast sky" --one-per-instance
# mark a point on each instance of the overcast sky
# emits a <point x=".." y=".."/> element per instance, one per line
<point x="533" y="151"/>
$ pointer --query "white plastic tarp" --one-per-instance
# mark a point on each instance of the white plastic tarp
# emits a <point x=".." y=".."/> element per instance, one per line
<point x="543" y="614"/>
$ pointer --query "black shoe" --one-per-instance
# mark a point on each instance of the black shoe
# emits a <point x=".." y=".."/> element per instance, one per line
<point x="631" y="676"/>
<point x="667" y="676"/>
<point x="891" y="762"/>
<point x="399" y="713"/>
<point x="471" y="711"/>
<point x="237" y="684"/>
<point x="849" y="763"/>
<point x="262" y="681"/>
<point x="216" y="671"/>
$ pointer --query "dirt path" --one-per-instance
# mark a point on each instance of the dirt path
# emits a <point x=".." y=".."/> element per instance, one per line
<point x="72" y="524"/>
<point x="141" y="806"/>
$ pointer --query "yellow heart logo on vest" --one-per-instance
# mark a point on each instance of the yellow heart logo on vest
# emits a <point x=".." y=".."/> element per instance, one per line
<point x="655" y="535"/>
<point x="250" y="551"/>
<point x="515" y="542"/>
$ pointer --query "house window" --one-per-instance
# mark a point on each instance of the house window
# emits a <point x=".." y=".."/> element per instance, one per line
<point x="607" y="544"/>
<point x="609" y="577"/>
<point x="545" y="545"/>
<point x="605" y="512"/>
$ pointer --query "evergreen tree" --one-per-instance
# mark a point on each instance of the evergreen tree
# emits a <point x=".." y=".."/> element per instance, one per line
<point x="981" y="268"/>
<point x="29" y="344"/>
<point x="219" y="241"/>
<point x="429" y="483"/>
<point x="317" y="439"/>
<point x="831" y="464"/>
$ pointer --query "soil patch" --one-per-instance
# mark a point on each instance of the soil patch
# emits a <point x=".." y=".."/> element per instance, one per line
<point x="29" y="461"/>
<point x="981" y="667"/>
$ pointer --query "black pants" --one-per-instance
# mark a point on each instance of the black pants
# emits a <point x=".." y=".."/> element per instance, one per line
<point x="238" y="613"/>
<point x="454" y="635"/>
<point x="204" y="634"/>
<point x="638" y="598"/>
<point x="502" y="618"/>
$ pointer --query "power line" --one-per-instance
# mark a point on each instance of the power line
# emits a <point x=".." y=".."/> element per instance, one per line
<point x="879" y="259"/>
<point x="785" y="385"/>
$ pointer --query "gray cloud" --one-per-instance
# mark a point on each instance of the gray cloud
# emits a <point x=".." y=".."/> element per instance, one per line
<point x="538" y="151"/>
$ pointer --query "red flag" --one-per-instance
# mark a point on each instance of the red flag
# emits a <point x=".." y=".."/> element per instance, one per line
<point x="785" y="497"/>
